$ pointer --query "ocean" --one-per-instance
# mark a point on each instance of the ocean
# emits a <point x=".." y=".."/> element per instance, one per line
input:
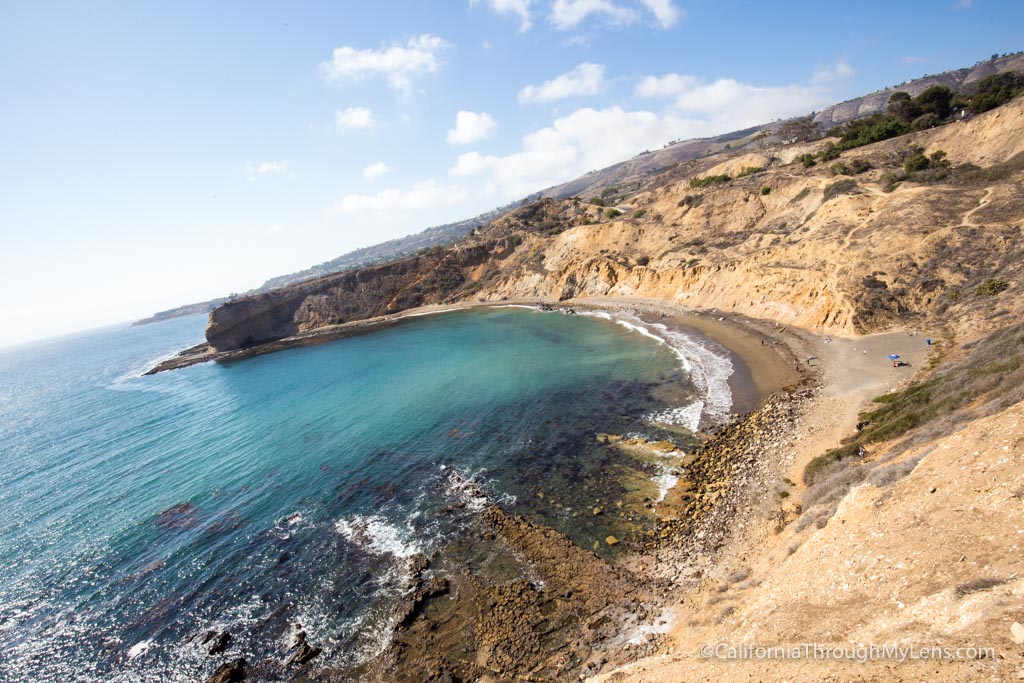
<point x="287" y="491"/>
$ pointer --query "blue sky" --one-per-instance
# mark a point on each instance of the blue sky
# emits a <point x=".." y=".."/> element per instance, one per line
<point x="156" y="154"/>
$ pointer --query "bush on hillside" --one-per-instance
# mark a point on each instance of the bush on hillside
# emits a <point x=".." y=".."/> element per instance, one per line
<point x="709" y="180"/>
<point x="839" y="187"/>
<point x="992" y="287"/>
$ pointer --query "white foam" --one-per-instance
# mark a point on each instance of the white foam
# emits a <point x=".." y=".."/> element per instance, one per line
<point x="139" y="649"/>
<point x="465" y="489"/>
<point x="376" y="535"/>
<point x="687" y="416"/>
<point x="665" y="481"/>
<point x="708" y="369"/>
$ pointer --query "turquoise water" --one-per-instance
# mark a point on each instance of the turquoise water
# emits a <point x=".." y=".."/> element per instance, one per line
<point x="286" y="488"/>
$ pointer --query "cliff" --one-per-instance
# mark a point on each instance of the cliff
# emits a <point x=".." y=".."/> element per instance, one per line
<point x="763" y="244"/>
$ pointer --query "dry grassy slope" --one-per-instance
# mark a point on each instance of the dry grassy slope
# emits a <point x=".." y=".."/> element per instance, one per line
<point x="933" y="559"/>
<point x="791" y="255"/>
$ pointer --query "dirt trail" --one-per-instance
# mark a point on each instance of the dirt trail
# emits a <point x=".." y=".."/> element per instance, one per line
<point x="968" y="218"/>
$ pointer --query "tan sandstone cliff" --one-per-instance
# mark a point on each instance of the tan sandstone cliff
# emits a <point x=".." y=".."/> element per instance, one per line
<point x="774" y="244"/>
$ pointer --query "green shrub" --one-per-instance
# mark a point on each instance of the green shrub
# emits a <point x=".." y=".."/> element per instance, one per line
<point x="807" y="160"/>
<point x="709" y="180"/>
<point x="639" y="213"/>
<point x="597" y="201"/>
<point x="891" y="180"/>
<point x="991" y="287"/>
<point x="995" y="90"/>
<point x="839" y="187"/>
<point x="874" y="128"/>
<point x="691" y="200"/>
<point x="926" y="121"/>
<point x="750" y="170"/>
<point x="853" y="167"/>
<point x="766" y="190"/>
<point x="643" y="260"/>
<point x="915" y="162"/>
<point x="829" y="152"/>
<point x="612" y="213"/>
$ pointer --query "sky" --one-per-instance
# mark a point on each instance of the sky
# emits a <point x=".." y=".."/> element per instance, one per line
<point x="158" y="154"/>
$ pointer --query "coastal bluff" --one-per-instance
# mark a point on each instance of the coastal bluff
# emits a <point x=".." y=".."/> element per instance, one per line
<point x="764" y="245"/>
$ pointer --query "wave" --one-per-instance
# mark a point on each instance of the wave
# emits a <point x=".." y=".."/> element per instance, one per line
<point x="377" y="536"/>
<point x="709" y="369"/>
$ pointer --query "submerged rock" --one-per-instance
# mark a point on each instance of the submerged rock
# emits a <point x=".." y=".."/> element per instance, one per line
<point x="180" y="516"/>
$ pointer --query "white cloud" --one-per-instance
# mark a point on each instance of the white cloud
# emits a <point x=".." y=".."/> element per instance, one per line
<point x="668" y="85"/>
<point x="253" y="171"/>
<point x="355" y="118"/>
<point x="664" y="11"/>
<point x="838" y="72"/>
<point x="398" y="63"/>
<point x="589" y="139"/>
<point x="470" y="127"/>
<point x="567" y="14"/>
<point x="519" y="9"/>
<point x="376" y="170"/>
<point x="425" y="195"/>
<point x="727" y="104"/>
<point x="585" y="140"/>
<point x="585" y="79"/>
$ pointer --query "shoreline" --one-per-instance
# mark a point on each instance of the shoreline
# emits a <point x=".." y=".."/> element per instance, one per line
<point x="713" y="521"/>
<point x="763" y="359"/>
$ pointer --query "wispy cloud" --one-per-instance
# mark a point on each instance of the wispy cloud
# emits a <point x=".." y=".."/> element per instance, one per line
<point x="424" y="195"/>
<point x="585" y="79"/>
<point x="376" y="170"/>
<point x="398" y="63"/>
<point x="568" y="14"/>
<point x="911" y="59"/>
<point x="355" y="118"/>
<point x="830" y="74"/>
<point x="518" y="9"/>
<point x="667" y="14"/>
<point x="963" y="4"/>
<point x="253" y="171"/>
<point x="668" y="85"/>
<point x="470" y="127"/>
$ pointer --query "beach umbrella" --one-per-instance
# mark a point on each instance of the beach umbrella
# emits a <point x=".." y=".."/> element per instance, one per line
<point x="893" y="356"/>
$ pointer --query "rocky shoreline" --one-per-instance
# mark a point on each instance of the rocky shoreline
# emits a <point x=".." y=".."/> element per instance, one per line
<point x="560" y="612"/>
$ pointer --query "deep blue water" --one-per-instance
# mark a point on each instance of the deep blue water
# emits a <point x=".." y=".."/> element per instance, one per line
<point x="284" y="489"/>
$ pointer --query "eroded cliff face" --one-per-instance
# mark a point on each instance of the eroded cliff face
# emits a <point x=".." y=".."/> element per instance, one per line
<point x="786" y="243"/>
<point x="353" y="295"/>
